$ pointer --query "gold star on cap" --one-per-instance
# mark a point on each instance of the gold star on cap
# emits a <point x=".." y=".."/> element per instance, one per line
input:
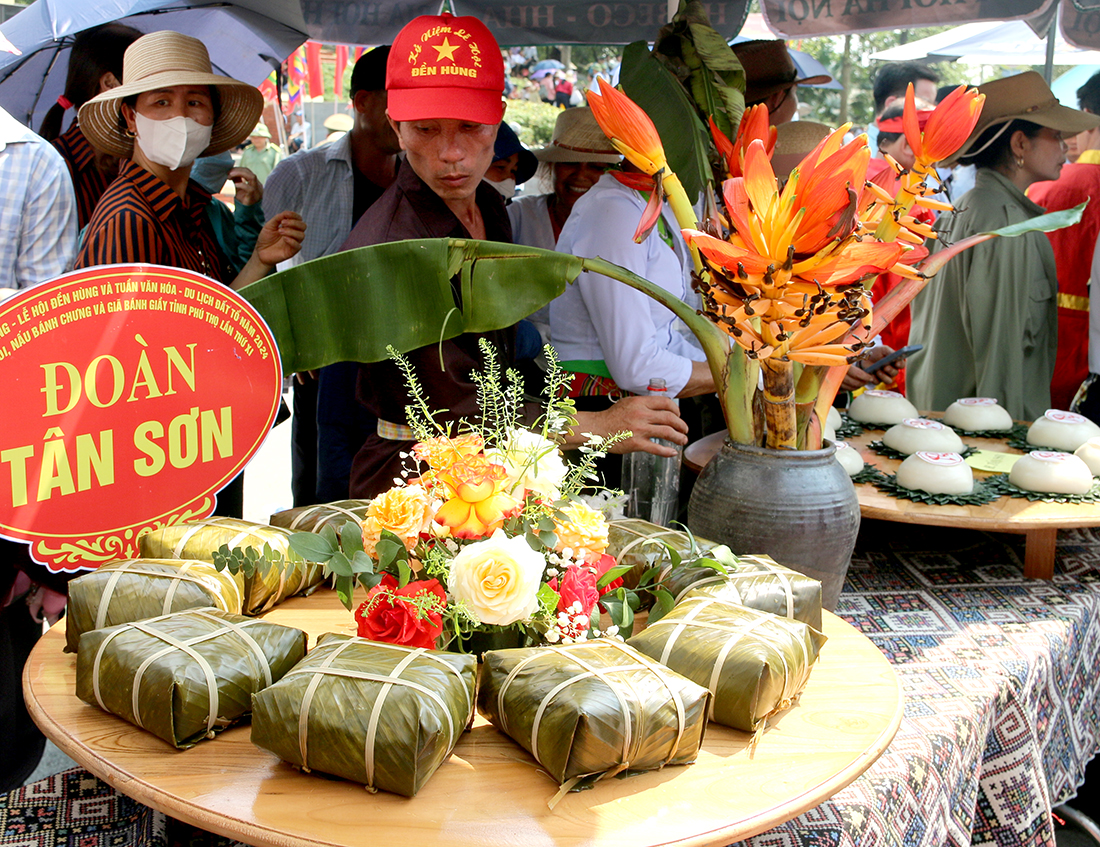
<point x="446" y="50"/>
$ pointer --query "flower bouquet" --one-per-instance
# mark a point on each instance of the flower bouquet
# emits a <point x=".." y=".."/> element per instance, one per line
<point x="484" y="541"/>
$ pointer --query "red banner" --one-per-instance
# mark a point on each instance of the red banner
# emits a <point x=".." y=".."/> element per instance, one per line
<point x="313" y="69"/>
<point x="134" y="394"/>
<point x="341" y="64"/>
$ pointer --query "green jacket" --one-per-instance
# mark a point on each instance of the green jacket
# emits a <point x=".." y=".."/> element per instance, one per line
<point x="989" y="320"/>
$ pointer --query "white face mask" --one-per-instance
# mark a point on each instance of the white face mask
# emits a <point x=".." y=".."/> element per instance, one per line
<point x="506" y="187"/>
<point x="173" y="143"/>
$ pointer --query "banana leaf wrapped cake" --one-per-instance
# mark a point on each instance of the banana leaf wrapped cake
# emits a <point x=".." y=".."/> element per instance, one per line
<point x="187" y="675"/>
<point x="757" y="582"/>
<point x="273" y="571"/>
<point x="644" y="545"/>
<point x="136" y="589"/>
<point x="380" y="714"/>
<point x="317" y="517"/>
<point x="591" y="710"/>
<point x="754" y="663"/>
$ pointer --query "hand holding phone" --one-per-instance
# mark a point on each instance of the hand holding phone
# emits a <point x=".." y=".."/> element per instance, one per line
<point x="897" y="355"/>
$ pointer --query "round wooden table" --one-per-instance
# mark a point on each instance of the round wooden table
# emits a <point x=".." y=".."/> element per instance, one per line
<point x="490" y="793"/>
<point x="1038" y="522"/>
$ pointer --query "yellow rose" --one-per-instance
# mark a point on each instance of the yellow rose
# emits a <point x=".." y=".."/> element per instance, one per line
<point x="498" y="579"/>
<point x="404" y="510"/>
<point x="584" y="532"/>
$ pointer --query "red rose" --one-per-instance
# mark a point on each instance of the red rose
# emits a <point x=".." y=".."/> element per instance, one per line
<point x="578" y="584"/>
<point x="603" y="564"/>
<point x="388" y="615"/>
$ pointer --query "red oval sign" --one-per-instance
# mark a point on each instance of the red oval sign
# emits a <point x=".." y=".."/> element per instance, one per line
<point x="134" y="394"/>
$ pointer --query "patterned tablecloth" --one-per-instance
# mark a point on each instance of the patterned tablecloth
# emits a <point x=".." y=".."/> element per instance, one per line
<point x="1000" y="675"/>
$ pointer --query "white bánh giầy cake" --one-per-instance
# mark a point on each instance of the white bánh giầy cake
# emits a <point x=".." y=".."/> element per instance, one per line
<point x="1089" y="453"/>
<point x="914" y="434"/>
<point x="936" y="473"/>
<point x="881" y="407"/>
<point x="1049" y="472"/>
<point x="849" y="458"/>
<point x="978" y="414"/>
<point x="1062" y="431"/>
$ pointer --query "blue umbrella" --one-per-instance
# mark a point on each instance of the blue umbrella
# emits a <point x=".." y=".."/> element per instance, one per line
<point x="548" y="65"/>
<point x="247" y="39"/>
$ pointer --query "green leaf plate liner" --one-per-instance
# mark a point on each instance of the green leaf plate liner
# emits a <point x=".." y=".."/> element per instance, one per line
<point x="891" y="453"/>
<point x="869" y="474"/>
<point x="985" y="433"/>
<point x="984" y="493"/>
<point x="1017" y="439"/>
<point x="1005" y="488"/>
<point x="848" y="428"/>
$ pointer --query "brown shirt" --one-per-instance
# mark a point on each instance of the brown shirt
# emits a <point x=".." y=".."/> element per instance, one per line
<point x="409" y="209"/>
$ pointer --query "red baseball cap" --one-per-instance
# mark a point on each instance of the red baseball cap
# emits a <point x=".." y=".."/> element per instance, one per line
<point x="441" y="66"/>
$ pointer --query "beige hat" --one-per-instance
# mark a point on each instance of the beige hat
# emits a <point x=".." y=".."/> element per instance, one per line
<point x="340" y="122"/>
<point x="578" y="138"/>
<point x="1024" y="97"/>
<point x="261" y="131"/>
<point x="795" y="140"/>
<point x="161" y="60"/>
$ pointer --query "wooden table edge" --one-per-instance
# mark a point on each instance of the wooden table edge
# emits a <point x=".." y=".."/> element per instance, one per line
<point x="196" y="814"/>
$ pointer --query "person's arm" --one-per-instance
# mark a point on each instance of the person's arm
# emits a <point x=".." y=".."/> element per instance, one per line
<point x="47" y="241"/>
<point x="646" y="417"/>
<point x="248" y="214"/>
<point x="280" y="239"/>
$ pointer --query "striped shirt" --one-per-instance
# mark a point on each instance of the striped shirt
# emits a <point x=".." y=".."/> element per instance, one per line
<point x="141" y="219"/>
<point x="89" y="181"/>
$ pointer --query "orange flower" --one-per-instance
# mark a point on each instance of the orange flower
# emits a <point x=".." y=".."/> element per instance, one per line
<point x="754" y="125"/>
<point x="629" y="128"/>
<point x="404" y="510"/>
<point x="584" y="532"/>
<point x="477" y="504"/>
<point x="443" y="451"/>
<point x="949" y="125"/>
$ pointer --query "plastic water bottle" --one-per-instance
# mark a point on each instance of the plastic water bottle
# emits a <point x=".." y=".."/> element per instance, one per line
<point x="651" y="482"/>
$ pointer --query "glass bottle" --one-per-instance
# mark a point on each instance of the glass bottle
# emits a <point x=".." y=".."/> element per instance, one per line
<point x="652" y="482"/>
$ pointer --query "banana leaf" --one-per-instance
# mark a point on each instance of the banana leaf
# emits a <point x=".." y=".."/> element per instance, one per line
<point x="187" y="675"/>
<point x="379" y="714"/>
<point x="273" y="571"/>
<point x="644" y="545"/>
<point x="316" y="518"/>
<point x="136" y="589"/>
<point x="711" y="71"/>
<point x="308" y="306"/>
<point x="754" y="664"/>
<point x="592" y="710"/>
<point x="756" y="582"/>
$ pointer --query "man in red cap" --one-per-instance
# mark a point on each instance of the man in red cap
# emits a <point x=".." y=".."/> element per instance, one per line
<point x="445" y="86"/>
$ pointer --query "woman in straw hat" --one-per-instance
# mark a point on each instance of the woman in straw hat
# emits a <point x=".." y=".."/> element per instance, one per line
<point x="170" y="110"/>
<point x="988" y="322"/>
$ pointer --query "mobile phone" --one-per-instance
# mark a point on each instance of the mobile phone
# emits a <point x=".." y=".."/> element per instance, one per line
<point x="903" y="353"/>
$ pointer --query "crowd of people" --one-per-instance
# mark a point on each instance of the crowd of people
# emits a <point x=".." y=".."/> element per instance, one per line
<point x="131" y="179"/>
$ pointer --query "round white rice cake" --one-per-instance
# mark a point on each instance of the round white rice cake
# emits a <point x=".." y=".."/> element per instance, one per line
<point x="849" y="458"/>
<point x="834" y="419"/>
<point x="914" y="434"/>
<point x="978" y="414"/>
<point x="1051" y="473"/>
<point x="1089" y="453"/>
<point x="881" y="407"/>
<point x="936" y="473"/>
<point x="1060" y="430"/>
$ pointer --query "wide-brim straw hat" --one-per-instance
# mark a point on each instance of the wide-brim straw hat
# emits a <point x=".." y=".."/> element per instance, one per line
<point x="1024" y="97"/>
<point x="162" y="60"/>
<point x="769" y="68"/>
<point x="794" y="141"/>
<point x="578" y="138"/>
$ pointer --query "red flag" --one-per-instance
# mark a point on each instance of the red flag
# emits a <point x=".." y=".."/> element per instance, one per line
<point x="359" y="51"/>
<point x="268" y="88"/>
<point x="341" y="64"/>
<point x="313" y="66"/>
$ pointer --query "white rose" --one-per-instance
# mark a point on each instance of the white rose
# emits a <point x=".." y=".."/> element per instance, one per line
<point x="498" y="579"/>
<point x="532" y="462"/>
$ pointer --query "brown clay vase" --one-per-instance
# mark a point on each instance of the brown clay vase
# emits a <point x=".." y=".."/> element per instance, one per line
<point x="797" y="506"/>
